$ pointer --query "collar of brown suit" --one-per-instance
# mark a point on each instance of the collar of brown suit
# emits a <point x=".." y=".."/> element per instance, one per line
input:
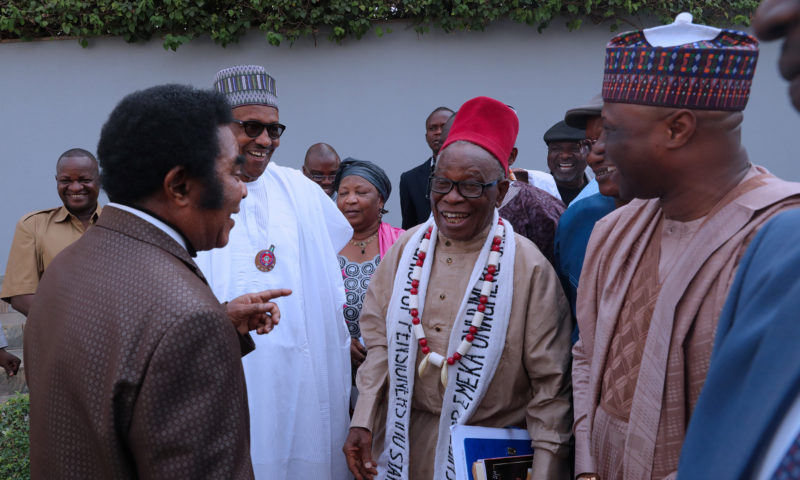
<point x="129" y="224"/>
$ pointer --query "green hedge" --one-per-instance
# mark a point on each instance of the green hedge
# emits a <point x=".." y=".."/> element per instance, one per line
<point x="179" y="21"/>
<point x="14" y="443"/>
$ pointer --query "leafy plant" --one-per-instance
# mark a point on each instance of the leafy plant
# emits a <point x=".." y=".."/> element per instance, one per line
<point x="226" y="21"/>
<point x="14" y="442"/>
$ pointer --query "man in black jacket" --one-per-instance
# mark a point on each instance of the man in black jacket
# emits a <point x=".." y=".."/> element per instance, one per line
<point x="415" y="205"/>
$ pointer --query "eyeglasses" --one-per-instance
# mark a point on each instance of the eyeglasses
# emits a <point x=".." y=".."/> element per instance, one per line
<point x="253" y="128"/>
<point x="574" y="149"/>
<point x="588" y="143"/>
<point x="466" y="189"/>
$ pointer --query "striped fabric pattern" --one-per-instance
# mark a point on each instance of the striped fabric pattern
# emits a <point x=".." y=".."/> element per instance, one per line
<point x="246" y="85"/>
<point x="706" y="75"/>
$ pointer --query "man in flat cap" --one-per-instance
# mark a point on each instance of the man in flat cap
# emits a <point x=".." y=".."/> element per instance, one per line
<point x="657" y="271"/>
<point x="287" y="234"/>
<point x="464" y="322"/>
<point x="566" y="159"/>
<point x="746" y="422"/>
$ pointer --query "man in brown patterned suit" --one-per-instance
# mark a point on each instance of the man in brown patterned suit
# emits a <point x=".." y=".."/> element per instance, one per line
<point x="133" y="366"/>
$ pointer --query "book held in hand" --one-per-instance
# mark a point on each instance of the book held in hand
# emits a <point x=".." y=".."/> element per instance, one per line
<point x="518" y="467"/>
<point x="471" y="443"/>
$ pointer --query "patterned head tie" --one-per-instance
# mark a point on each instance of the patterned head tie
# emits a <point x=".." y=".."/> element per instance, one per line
<point x="681" y="65"/>
<point x="246" y="85"/>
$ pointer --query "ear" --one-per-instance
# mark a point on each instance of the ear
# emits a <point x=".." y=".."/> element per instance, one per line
<point x="502" y="189"/>
<point x="512" y="157"/>
<point x="177" y="186"/>
<point x="681" y="127"/>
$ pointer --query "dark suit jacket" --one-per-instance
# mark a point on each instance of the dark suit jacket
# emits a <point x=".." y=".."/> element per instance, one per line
<point x="755" y="369"/>
<point x="133" y="366"/>
<point x="414" y="206"/>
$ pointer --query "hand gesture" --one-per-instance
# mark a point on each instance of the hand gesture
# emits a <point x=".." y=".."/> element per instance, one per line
<point x="255" y="311"/>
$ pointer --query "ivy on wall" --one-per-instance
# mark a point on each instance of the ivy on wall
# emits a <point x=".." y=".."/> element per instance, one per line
<point x="226" y="21"/>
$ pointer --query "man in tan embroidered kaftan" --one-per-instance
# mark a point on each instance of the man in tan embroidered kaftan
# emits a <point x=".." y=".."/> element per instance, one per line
<point x="481" y="297"/>
<point x="658" y="270"/>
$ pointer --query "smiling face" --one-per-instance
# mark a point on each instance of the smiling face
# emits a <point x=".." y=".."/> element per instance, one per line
<point x="603" y="169"/>
<point x="567" y="162"/>
<point x="257" y="151"/>
<point x="78" y="183"/>
<point x="209" y="228"/>
<point x="776" y="19"/>
<point x="463" y="218"/>
<point x="631" y="142"/>
<point x="360" y="203"/>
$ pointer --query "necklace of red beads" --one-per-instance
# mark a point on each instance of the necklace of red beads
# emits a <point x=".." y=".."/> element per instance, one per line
<point x="492" y="262"/>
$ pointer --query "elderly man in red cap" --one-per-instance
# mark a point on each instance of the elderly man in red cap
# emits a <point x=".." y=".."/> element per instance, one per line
<point x="658" y="270"/>
<point x="465" y="323"/>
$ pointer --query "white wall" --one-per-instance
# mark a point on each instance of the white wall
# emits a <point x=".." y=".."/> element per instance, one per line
<point x="367" y="98"/>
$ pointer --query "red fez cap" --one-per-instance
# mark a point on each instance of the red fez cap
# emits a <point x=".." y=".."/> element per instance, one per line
<point x="488" y="123"/>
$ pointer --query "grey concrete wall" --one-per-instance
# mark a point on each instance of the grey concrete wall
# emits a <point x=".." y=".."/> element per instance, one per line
<point x="367" y="98"/>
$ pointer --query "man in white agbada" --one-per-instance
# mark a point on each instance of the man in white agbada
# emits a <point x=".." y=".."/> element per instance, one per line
<point x="465" y="322"/>
<point x="287" y="234"/>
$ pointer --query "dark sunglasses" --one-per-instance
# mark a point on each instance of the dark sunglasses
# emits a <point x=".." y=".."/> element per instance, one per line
<point x="253" y="128"/>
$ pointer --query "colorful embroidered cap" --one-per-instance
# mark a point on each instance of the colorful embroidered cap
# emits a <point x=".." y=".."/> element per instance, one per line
<point x="681" y="65"/>
<point x="246" y="85"/>
<point x="488" y="123"/>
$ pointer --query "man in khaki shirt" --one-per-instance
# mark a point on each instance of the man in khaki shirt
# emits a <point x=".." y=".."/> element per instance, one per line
<point x="432" y="359"/>
<point x="41" y="235"/>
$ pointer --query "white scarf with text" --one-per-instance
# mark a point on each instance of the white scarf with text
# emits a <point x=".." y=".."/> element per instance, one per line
<point x="469" y="378"/>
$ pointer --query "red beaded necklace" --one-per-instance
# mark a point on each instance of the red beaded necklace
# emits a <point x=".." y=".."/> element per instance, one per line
<point x="492" y="263"/>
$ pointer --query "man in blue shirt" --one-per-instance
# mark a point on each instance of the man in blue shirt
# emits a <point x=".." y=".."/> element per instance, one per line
<point x="578" y="220"/>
